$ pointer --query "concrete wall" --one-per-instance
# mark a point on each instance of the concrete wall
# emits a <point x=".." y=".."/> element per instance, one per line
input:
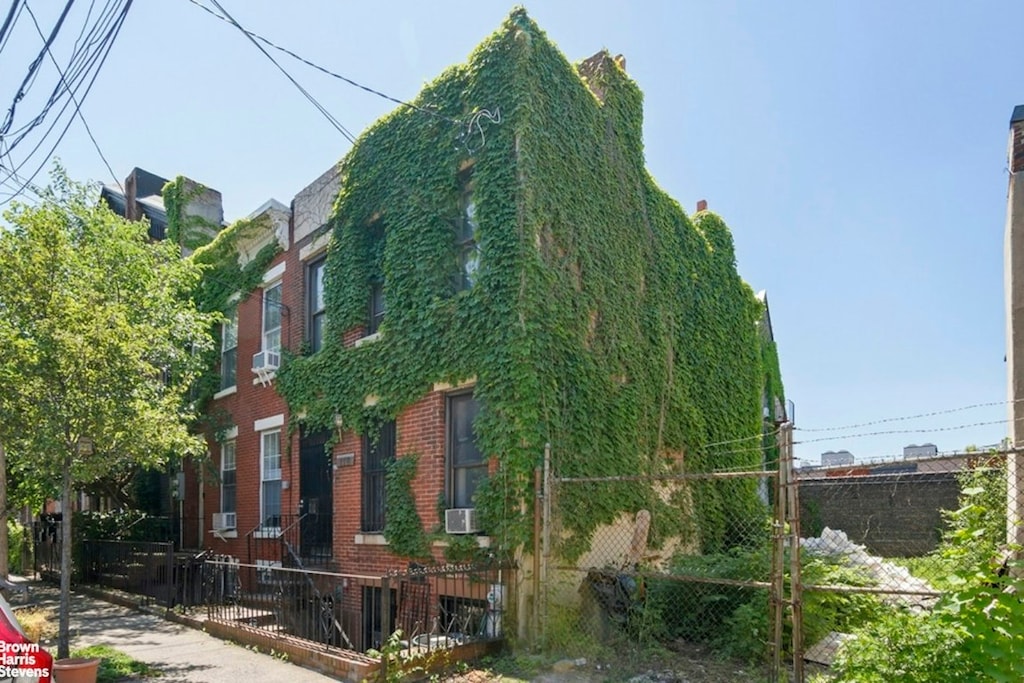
<point x="892" y="515"/>
<point x="313" y="204"/>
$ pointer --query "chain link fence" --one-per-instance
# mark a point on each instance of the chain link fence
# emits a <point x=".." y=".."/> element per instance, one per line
<point x="887" y="549"/>
<point x="876" y="553"/>
<point x="707" y="588"/>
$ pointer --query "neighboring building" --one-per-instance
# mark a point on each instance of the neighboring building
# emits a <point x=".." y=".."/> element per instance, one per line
<point x="925" y="450"/>
<point x="836" y="458"/>
<point x="141" y="197"/>
<point x="423" y="319"/>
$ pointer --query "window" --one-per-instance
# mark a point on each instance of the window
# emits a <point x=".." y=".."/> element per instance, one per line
<point x="376" y="243"/>
<point x="315" y="309"/>
<point x="227" y="477"/>
<point x="467" y="248"/>
<point x="270" y="479"/>
<point x="377" y="307"/>
<point x="378" y="449"/>
<point x="272" y="317"/>
<point x="467" y="468"/>
<point x="229" y="351"/>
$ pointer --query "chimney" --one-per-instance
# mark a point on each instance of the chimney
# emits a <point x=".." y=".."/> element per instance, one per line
<point x="594" y="68"/>
<point x="702" y="205"/>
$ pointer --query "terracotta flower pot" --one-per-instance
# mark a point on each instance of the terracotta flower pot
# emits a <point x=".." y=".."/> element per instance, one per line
<point x="75" y="670"/>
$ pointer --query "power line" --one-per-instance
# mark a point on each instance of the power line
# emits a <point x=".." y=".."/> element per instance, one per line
<point x="907" y="417"/>
<point x="107" y="43"/>
<point x="78" y="107"/>
<point x="902" y="431"/>
<point x="327" y="71"/>
<point x="33" y="66"/>
<point x="334" y="122"/>
<point x="9" y="19"/>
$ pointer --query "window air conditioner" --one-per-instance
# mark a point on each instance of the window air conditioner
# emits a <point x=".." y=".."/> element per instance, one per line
<point x="461" y="521"/>
<point x="266" y="361"/>
<point x="223" y="521"/>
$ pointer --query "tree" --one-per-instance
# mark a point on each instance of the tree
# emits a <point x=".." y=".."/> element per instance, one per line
<point x="101" y="343"/>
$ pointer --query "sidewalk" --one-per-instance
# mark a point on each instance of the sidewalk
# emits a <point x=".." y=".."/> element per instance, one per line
<point x="179" y="652"/>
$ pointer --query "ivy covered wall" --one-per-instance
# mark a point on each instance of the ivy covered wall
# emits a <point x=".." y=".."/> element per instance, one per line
<point x="602" y="320"/>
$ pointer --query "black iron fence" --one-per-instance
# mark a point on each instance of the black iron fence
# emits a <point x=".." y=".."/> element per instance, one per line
<point x="420" y="610"/>
<point x="138" y="567"/>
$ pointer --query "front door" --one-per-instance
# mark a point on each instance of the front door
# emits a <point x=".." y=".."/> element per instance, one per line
<point x="316" y="500"/>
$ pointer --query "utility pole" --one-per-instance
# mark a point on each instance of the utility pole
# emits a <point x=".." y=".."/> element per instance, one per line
<point x="4" y="541"/>
<point x="1013" y="255"/>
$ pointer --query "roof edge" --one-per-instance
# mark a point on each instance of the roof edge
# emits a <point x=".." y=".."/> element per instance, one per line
<point x="1018" y="114"/>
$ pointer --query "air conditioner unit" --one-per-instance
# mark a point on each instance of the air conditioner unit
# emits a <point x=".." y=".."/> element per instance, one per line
<point x="461" y="521"/>
<point x="223" y="521"/>
<point x="266" y="361"/>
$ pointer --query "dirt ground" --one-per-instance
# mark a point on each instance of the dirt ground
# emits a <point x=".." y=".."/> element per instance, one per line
<point x="683" y="663"/>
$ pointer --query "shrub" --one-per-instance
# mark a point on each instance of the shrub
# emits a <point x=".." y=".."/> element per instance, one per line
<point x="976" y="632"/>
<point x="19" y="541"/>
<point x="735" y="619"/>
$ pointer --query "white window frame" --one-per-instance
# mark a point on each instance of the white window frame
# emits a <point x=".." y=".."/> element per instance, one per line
<point x="269" y="334"/>
<point x="225" y="448"/>
<point x="269" y="474"/>
<point x="229" y="334"/>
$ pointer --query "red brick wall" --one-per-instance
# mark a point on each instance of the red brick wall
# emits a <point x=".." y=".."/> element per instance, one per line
<point x="420" y="430"/>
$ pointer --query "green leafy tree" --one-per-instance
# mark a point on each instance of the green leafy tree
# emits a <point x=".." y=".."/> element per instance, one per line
<point x="101" y="339"/>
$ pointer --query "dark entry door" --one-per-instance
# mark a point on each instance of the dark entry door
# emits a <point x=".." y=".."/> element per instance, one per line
<point x="316" y="500"/>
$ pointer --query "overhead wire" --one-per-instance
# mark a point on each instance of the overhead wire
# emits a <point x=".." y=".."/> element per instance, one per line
<point x="79" y="64"/>
<point x="472" y="126"/>
<point x="78" y="107"/>
<point x="323" y="110"/>
<point x="107" y="43"/>
<point x="885" y="432"/>
<point x="33" y="67"/>
<point x="327" y="71"/>
<point x="904" y="418"/>
<point x="9" y="19"/>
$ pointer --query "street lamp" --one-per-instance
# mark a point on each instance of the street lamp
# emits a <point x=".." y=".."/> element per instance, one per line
<point x="84" y="446"/>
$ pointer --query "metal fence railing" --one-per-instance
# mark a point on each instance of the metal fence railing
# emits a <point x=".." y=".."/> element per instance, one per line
<point x="144" y="569"/>
<point x="420" y="610"/>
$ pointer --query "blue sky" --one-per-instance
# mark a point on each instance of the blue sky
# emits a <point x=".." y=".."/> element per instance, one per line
<point x="856" y="149"/>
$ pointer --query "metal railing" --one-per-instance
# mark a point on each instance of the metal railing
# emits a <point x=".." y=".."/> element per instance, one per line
<point x="138" y="567"/>
<point x="432" y="607"/>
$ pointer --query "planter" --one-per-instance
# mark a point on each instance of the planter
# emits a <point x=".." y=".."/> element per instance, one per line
<point x="75" y="670"/>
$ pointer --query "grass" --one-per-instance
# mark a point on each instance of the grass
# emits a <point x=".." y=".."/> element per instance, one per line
<point x="37" y="623"/>
<point x="114" y="664"/>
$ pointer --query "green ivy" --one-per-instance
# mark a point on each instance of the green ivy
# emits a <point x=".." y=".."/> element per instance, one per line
<point x="403" y="527"/>
<point x="603" y="320"/>
<point x="183" y="229"/>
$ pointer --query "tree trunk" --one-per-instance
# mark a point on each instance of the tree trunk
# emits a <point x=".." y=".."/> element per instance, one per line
<point x="4" y="562"/>
<point x="64" y="629"/>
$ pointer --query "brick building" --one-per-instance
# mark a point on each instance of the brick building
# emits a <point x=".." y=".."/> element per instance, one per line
<point x="387" y="264"/>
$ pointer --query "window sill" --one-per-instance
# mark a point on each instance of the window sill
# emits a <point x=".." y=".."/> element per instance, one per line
<point x="367" y="339"/>
<point x="224" y="533"/>
<point x="226" y="392"/>
<point x="370" y="539"/>
<point x="481" y="541"/>
<point x="267" y="533"/>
